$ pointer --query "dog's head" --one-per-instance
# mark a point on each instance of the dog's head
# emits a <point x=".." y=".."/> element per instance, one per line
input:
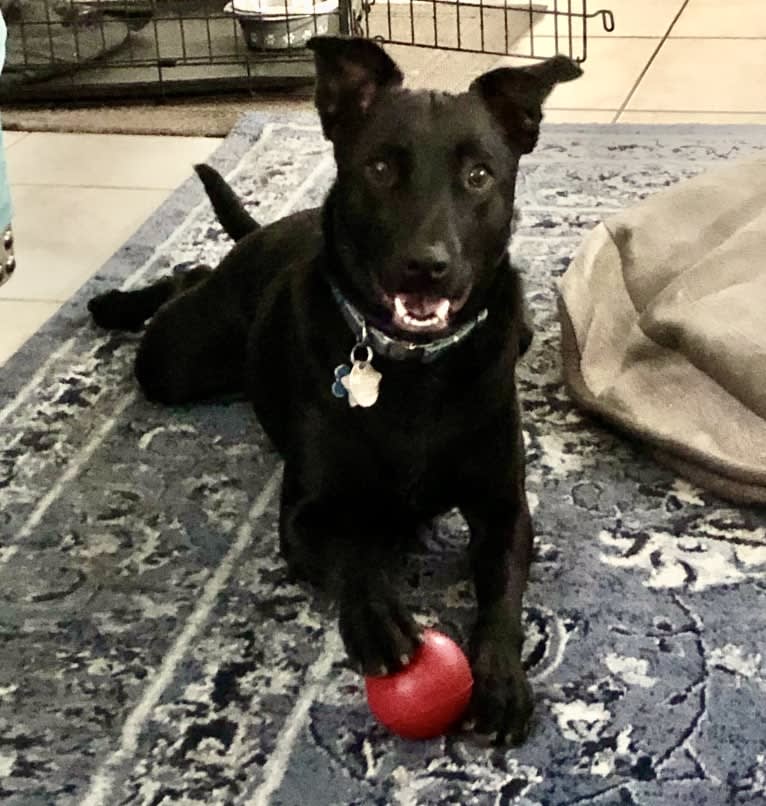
<point x="422" y="205"/>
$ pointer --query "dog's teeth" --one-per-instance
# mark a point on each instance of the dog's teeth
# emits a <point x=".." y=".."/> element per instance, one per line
<point x="410" y="320"/>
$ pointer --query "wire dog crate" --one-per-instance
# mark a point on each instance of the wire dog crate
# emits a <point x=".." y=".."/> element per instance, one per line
<point x="86" y="49"/>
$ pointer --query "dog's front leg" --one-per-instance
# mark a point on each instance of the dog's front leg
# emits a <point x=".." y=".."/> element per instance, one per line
<point x="501" y="551"/>
<point x="353" y="555"/>
<point x="379" y="632"/>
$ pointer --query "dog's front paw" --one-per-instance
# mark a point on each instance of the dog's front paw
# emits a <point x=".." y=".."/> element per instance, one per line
<point x="379" y="633"/>
<point x="502" y="700"/>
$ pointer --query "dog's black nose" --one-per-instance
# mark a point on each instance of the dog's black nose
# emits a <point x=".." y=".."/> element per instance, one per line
<point x="429" y="263"/>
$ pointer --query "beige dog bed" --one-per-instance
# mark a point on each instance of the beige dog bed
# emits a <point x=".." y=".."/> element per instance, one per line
<point x="663" y="319"/>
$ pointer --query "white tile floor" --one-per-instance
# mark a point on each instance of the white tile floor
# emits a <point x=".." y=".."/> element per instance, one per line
<point x="79" y="197"/>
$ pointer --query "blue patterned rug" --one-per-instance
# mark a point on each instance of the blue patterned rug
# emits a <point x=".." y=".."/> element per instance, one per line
<point x="152" y="651"/>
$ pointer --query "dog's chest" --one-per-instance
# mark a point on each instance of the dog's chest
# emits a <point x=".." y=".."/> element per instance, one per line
<point x="418" y="436"/>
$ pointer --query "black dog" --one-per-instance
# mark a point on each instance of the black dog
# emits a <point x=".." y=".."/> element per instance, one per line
<point x="404" y="269"/>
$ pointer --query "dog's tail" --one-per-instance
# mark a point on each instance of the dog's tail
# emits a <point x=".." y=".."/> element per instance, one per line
<point x="230" y="211"/>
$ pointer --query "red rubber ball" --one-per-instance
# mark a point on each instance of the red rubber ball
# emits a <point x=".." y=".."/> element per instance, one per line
<point x="429" y="695"/>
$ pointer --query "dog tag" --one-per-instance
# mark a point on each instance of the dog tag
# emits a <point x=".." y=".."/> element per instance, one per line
<point x="362" y="384"/>
<point x="338" y="389"/>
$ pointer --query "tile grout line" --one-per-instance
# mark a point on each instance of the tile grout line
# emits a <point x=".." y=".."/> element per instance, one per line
<point x="691" y="111"/>
<point x="654" y="55"/>
<point x="102" y="781"/>
<point x="662" y="111"/>
<point x="16" y="140"/>
<point x="730" y="37"/>
<point x="14" y="185"/>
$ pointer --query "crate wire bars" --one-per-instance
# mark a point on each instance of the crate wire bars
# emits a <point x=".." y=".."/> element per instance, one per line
<point x="78" y="50"/>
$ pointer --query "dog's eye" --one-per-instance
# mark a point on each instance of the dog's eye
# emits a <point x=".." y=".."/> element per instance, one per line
<point x="381" y="173"/>
<point x="478" y="177"/>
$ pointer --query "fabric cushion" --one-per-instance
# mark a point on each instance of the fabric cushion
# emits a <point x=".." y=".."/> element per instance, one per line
<point x="663" y="333"/>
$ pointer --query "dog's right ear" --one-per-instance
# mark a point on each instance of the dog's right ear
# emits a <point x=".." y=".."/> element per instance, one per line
<point x="351" y="72"/>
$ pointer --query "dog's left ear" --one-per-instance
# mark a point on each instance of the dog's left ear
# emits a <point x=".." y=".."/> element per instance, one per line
<point x="515" y="95"/>
<point x="351" y="73"/>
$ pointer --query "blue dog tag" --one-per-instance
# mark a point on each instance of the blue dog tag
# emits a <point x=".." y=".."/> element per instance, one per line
<point x="338" y="389"/>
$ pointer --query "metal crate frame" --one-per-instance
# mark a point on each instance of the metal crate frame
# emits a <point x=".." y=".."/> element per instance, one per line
<point x="565" y="23"/>
<point x="81" y="50"/>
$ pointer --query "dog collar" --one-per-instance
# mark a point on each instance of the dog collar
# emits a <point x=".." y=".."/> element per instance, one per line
<point x="401" y="349"/>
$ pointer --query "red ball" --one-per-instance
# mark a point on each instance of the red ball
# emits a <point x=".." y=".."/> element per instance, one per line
<point x="429" y="695"/>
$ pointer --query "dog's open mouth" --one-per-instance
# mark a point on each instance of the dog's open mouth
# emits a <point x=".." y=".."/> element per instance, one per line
<point x="423" y="314"/>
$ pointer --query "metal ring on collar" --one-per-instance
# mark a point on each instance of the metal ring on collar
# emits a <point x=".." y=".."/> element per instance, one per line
<point x="368" y="354"/>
